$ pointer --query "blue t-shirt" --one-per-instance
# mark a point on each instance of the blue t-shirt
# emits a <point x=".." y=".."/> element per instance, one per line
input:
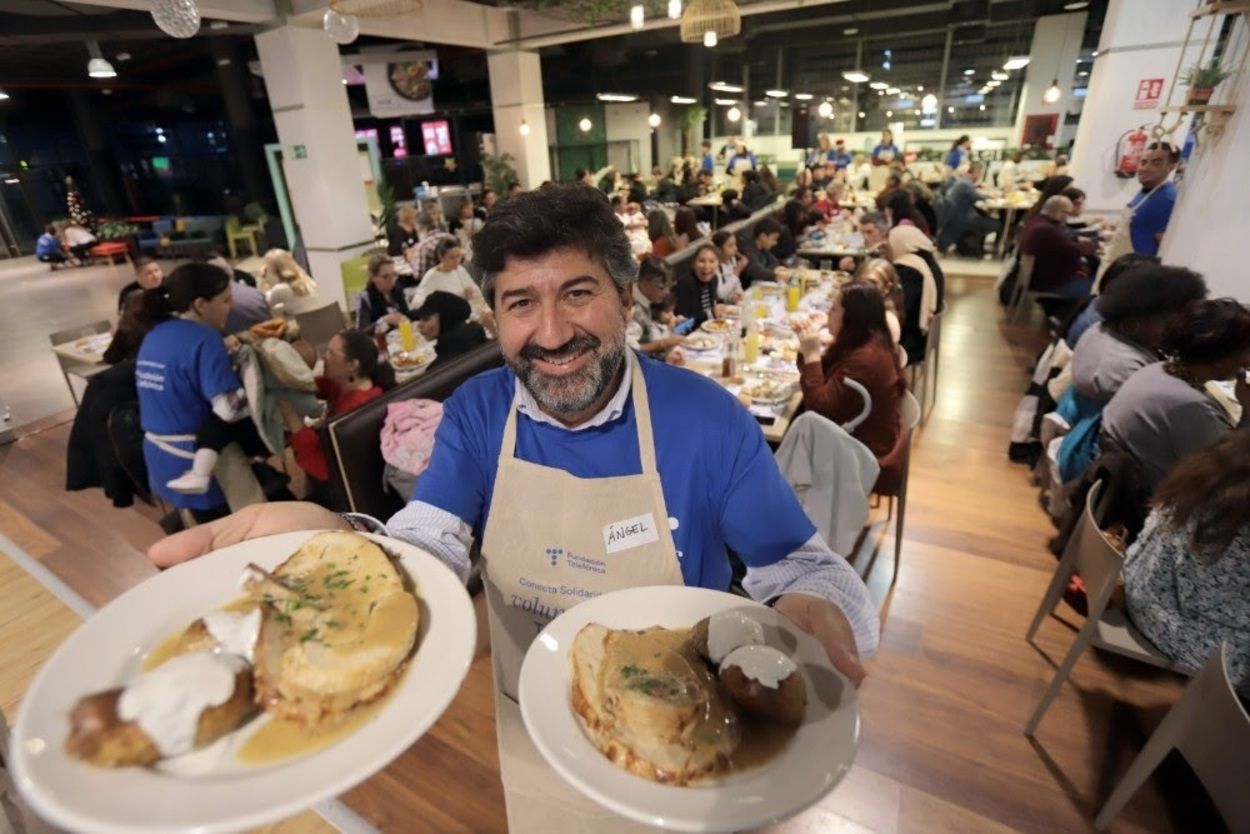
<point x="749" y="157"/>
<point x="181" y="366"/>
<point x="708" y="162"/>
<point x="882" y="147"/>
<point x="719" y="479"/>
<point x="840" y="160"/>
<point x="956" y="158"/>
<point x="47" y="245"/>
<point x="1152" y="218"/>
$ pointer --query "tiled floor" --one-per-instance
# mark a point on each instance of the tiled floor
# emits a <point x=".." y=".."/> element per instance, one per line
<point x="35" y="302"/>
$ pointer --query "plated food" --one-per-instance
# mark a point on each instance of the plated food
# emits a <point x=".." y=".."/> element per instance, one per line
<point x="327" y="632"/>
<point x="684" y="706"/>
<point x="715" y="326"/>
<point x="700" y="341"/>
<point x="659" y="746"/>
<point x="341" y="651"/>
<point x="768" y="390"/>
<point x="409" y="361"/>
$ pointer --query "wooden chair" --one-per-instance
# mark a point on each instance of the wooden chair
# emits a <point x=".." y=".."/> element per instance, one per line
<point x="321" y="325"/>
<point x="1210" y="727"/>
<point x="1100" y="564"/>
<point x="1022" y="294"/>
<point x="927" y="367"/>
<point x="69" y="366"/>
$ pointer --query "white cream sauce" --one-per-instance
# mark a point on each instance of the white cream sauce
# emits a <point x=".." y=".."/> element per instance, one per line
<point x="764" y="664"/>
<point x="234" y="632"/>
<point x="167" y="702"/>
<point x="728" y="630"/>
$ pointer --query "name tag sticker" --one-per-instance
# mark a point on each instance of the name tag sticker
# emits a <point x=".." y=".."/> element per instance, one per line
<point x="630" y="533"/>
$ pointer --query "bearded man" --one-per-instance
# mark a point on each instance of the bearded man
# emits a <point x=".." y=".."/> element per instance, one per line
<point x="583" y="468"/>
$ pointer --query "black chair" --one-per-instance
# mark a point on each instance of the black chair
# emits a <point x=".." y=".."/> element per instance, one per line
<point x="353" y="442"/>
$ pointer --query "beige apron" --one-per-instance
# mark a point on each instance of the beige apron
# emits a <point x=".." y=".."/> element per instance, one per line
<point x="1121" y="242"/>
<point x="551" y="541"/>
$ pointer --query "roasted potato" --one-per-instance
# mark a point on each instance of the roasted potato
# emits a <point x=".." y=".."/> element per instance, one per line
<point x="783" y="705"/>
<point x="99" y="737"/>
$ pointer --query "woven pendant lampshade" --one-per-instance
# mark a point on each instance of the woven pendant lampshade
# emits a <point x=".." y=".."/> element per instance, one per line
<point x="376" y="8"/>
<point x="703" y="16"/>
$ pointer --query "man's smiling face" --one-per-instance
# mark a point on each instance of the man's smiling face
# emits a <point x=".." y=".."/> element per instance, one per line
<point x="562" y="329"/>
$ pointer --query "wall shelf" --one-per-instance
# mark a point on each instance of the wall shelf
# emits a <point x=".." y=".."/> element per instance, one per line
<point x="1210" y="9"/>
<point x="1199" y="108"/>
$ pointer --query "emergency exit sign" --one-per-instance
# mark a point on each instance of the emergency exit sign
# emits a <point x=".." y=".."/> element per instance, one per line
<point x="1149" y="91"/>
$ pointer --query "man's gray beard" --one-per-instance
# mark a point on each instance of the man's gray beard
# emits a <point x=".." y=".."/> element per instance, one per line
<point x="570" y="395"/>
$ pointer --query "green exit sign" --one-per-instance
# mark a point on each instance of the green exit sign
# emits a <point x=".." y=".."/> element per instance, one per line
<point x="299" y="151"/>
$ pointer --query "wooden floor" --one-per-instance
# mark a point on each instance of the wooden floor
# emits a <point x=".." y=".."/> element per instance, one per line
<point x="947" y="695"/>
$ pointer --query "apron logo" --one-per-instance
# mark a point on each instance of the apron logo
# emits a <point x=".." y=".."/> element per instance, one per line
<point x="554" y="554"/>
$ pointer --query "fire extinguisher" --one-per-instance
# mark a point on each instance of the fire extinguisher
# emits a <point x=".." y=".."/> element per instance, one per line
<point x="1128" y="151"/>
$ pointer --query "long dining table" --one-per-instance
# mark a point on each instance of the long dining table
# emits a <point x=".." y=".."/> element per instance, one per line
<point x="775" y="368"/>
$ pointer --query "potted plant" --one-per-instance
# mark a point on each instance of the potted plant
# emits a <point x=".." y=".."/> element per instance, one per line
<point x="498" y="173"/>
<point x="1202" y="81"/>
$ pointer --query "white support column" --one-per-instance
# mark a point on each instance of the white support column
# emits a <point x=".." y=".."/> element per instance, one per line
<point x="516" y="94"/>
<point x="1140" y="41"/>
<point x="304" y="77"/>
<point x="1052" y="57"/>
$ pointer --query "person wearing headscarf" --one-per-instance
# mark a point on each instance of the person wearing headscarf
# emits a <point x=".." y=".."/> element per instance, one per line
<point x="444" y="318"/>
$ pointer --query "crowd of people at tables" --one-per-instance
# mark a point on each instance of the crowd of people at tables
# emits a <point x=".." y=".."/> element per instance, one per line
<point x="1139" y="388"/>
<point x="1131" y="361"/>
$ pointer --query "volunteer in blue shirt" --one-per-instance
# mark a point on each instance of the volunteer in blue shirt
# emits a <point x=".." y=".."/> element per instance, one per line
<point x="583" y="468"/>
<point x="958" y="156"/>
<point x="184" y="374"/>
<point x="742" y="160"/>
<point x="48" y="248"/>
<point x="708" y="162"/>
<point x="1149" y="212"/>
<point x="839" y="156"/>
<point x="885" y="151"/>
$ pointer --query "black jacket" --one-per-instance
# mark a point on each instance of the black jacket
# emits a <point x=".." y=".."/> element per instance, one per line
<point x="760" y="265"/>
<point x="910" y="336"/>
<point x="102" y="445"/>
<point x="459" y="340"/>
<point x="695" y="300"/>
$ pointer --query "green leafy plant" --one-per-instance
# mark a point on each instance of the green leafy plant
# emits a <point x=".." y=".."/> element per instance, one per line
<point x="928" y="154"/>
<point x="116" y="229"/>
<point x="691" y="120"/>
<point x="1199" y="77"/>
<point x="498" y="172"/>
<point x="386" y="198"/>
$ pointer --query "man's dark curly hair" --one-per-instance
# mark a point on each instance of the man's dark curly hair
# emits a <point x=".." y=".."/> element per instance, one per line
<point x="556" y="217"/>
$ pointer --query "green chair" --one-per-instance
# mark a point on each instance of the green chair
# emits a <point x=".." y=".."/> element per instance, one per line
<point x="236" y="231"/>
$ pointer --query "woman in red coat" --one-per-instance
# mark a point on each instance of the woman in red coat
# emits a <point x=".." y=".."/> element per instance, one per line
<point x="354" y="375"/>
<point x="862" y="350"/>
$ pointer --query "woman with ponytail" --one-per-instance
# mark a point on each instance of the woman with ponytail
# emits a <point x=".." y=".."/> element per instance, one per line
<point x="354" y="375"/>
<point x="186" y="382"/>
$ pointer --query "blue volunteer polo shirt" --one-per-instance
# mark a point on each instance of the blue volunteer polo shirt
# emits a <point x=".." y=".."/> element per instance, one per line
<point x="1152" y="218"/>
<point x="721" y="485"/>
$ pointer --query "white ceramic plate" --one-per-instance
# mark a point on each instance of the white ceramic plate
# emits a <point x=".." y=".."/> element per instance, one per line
<point x="717" y="327"/>
<point x="210" y="790"/>
<point x="814" y="762"/>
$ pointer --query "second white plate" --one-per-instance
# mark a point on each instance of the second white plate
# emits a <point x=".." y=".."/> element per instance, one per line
<point x="811" y="765"/>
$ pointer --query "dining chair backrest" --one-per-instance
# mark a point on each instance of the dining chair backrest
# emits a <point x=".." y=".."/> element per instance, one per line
<point x="1210" y="727"/>
<point x="94" y="329"/>
<point x="933" y="338"/>
<point x="1024" y="273"/>
<point x="1216" y="742"/>
<point x="909" y="411"/>
<point x="851" y="425"/>
<point x="322" y="324"/>
<point x="1098" y="561"/>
